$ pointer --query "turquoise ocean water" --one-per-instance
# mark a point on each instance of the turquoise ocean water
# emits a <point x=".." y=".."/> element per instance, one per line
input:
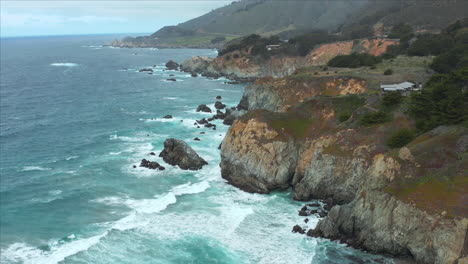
<point x="75" y="118"/>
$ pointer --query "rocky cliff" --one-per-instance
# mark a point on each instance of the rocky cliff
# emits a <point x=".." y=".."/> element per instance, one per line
<point x="408" y="201"/>
<point x="241" y="65"/>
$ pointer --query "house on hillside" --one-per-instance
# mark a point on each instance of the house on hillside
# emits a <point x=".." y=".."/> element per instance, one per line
<point x="405" y="87"/>
<point x="273" y="47"/>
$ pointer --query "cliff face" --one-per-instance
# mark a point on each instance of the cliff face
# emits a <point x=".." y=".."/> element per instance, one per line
<point x="404" y="201"/>
<point x="278" y="95"/>
<point x="239" y="64"/>
<point x="324" y="53"/>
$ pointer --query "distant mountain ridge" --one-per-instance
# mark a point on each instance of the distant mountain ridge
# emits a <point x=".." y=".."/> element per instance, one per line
<point x="290" y="18"/>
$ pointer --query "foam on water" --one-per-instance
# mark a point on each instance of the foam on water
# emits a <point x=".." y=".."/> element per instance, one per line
<point x="64" y="64"/>
<point x="35" y="168"/>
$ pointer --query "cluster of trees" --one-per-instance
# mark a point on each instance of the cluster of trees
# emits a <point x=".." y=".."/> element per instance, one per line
<point x="450" y="46"/>
<point x="354" y="60"/>
<point x="254" y="41"/>
<point x="443" y="101"/>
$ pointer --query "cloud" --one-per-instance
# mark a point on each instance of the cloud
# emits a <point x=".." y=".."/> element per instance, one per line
<point x="46" y="17"/>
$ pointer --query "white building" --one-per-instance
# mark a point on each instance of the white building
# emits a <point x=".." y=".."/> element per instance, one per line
<point x="402" y="87"/>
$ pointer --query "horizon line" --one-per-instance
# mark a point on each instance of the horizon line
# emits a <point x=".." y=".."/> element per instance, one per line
<point x="79" y="34"/>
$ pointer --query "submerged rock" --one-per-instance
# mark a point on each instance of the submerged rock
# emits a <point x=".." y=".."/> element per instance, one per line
<point x="203" y="108"/>
<point x="177" y="152"/>
<point x="167" y="116"/>
<point x="146" y="70"/>
<point x="171" y="79"/>
<point x="194" y="75"/>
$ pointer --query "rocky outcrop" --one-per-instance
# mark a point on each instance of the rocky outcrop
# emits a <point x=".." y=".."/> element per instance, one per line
<point x="404" y="201"/>
<point x="278" y="95"/>
<point x="253" y="159"/>
<point x="172" y="65"/>
<point x="240" y="66"/>
<point x="151" y="165"/>
<point x="177" y="152"/>
<point x="203" y="108"/>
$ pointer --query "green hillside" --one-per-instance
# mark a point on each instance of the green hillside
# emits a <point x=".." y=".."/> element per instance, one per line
<point x="291" y="18"/>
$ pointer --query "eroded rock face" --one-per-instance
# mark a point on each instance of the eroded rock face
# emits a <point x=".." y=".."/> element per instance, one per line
<point x="278" y="95"/>
<point x="380" y="222"/>
<point x="177" y="152"/>
<point x="197" y="64"/>
<point x="379" y="208"/>
<point x="254" y="160"/>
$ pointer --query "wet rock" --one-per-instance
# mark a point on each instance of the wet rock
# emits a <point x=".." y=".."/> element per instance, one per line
<point x="149" y="164"/>
<point x="146" y="70"/>
<point x="177" y="152"/>
<point x="219" y="97"/>
<point x="196" y="139"/>
<point x="306" y="220"/>
<point x="194" y="75"/>
<point x="314" y="233"/>
<point x="303" y="213"/>
<point x="171" y="79"/>
<point x="161" y="168"/>
<point x="202" y="121"/>
<point x="152" y="154"/>
<point x="171" y="75"/>
<point x="167" y="116"/>
<point x="322" y="214"/>
<point x="210" y="119"/>
<point x="172" y="65"/>
<point x="298" y="229"/>
<point x="314" y="204"/>
<point x="219" y="115"/>
<point x="220" y="144"/>
<point x="203" y="108"/>
<point x="218" y="105"/>
<point x="134" y="166"/>
<point x="209" y="125"/>
<point x="328" y="204"/>
<point x="202" y="133"/>
<point x="232" y="82"/>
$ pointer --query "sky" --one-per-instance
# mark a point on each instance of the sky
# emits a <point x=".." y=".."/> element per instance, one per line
<point x="40" y="18"/>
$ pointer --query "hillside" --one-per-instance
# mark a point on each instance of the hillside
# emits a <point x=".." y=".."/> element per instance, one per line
<point x="290" y="18"/>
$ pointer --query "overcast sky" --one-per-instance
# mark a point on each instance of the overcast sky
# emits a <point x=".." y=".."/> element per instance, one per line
<point x="36" y="18"/>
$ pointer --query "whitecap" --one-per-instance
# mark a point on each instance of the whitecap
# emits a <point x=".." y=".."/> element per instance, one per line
<point x="64" y="64"/>
<point x="35" y="168"/>
<point x="170" y="98"/>
<point x="72" y="157"/>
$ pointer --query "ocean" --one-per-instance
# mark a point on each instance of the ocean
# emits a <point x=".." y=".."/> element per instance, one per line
<point x="76" y="117"/>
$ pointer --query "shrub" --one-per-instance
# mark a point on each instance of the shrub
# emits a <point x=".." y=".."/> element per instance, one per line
<point x="400" y="138"/>
<point x="373" y="67"/>
<point x="391" y="99"/>
<point x="218" y="39"/>
<point x="235" y="56"/>
<point x="344" y="116"/>
<point x="374" y="118"/>
<point x="354" y="60"/>
<point x="228" y="57"/>
<point x="388" y="72"/>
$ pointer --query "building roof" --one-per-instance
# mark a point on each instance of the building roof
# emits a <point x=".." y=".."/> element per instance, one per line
<point x="397" y="87"/>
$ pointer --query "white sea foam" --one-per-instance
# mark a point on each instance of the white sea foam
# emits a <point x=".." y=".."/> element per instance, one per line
<point x="72" y="157"/>
<point x="35" y="168"/>
<point x="64" y="64"/>
<point x="170" y="98"/>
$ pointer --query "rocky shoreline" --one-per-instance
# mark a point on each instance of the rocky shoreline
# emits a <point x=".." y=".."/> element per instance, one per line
<point x="299" y="142"/>
<point x="293" y="136"/>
